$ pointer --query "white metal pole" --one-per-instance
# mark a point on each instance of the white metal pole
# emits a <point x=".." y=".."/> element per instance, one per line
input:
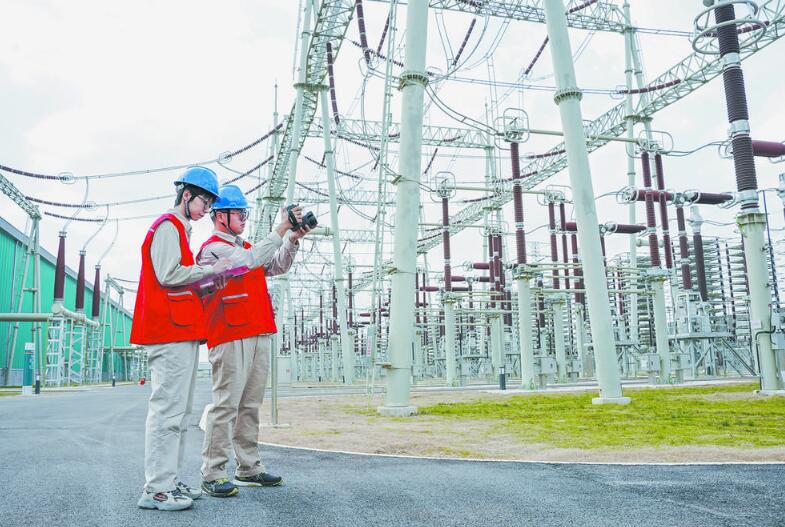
<point x="557" y="309"/>
<point x="658" y="277"/>
<point x="752" y="224"/>
<point x="347" y="350"/>
<point x="629" y="35"/>
<point x="297" y="123"/>
<point x="528" y="381"/>
<point x="413" y="82"/>
<point x="449" y="334"/>
<point x="568" y="99"/>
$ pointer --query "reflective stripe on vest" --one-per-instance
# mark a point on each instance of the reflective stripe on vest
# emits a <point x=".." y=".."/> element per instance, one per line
<point x="241" y="309"/>
<point x="166" y="314"/>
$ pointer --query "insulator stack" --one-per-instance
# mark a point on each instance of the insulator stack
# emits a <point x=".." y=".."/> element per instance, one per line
<point x="321" y="313"/>
<point x="626" y="228"/>
<point x="59" y="292"/>
<point x="723" y="296"/>
<point x="517" y="197"/>
<point x="363" y="34"/>
<point x="536" y="57"/>
<point x="465" y="41"/>
<point x="446" y="243"/>
<point x="497" y="268"/>
<point x="666" y="235"/>
<point x="417" y="297"/>
<point x="651" y="222"/>
<point x="541" y="307"/>
<point x="554" y="245"/>
<point x="331" y="84"/>
<point x="736" y="105"/>
<point x="700" y="265"/>
<point x="97" y="293"/>
<point x="384" y="35"/>
<point x="80" y="279"/>
<point x="684" y="252"/>
<point x="505" y="293"/>
<point x="491" y="269"/>
<point x="565" y="256"/>
<point x="578" y="271"/>
<point x="732" y="327"/>
<point x="640" y="195"/>
<point x="768" y="149"/>
<point x="351" y="300"/>
<point x="335" y="310"/>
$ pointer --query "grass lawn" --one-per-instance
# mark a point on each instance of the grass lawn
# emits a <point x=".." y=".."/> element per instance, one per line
<point x="715" y="415"/>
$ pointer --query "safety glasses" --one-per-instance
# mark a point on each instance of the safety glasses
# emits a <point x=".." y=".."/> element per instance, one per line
<point x="242" y="213"/>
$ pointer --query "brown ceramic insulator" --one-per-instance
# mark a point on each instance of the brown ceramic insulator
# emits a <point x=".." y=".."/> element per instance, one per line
<point x="651" y="221"/>
<point x="59" y="292"/>
<point x="97" y="293"/>
<point x="446" y="243"/>
<point x="684" y="251"/>
<point x="666" y="237"/>
<point x="554" y="244"/>
<point x="517" y="198"/>
<point x="564" y="255"/>
<point x="80" y="279"/>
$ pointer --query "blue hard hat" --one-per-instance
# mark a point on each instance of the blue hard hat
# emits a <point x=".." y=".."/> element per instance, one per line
<point x="230" y="197"/>
<point x="200" y="177"/>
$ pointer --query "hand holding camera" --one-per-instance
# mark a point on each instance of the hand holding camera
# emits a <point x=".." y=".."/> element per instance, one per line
<point x="293" y="218"/>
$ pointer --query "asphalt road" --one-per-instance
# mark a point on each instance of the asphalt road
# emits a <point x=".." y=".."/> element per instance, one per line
<point x="76" y="459"/>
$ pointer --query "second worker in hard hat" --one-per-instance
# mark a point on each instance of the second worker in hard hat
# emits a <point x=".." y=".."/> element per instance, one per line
<point x="169" y="322"/>
<point x="240" y="320"/>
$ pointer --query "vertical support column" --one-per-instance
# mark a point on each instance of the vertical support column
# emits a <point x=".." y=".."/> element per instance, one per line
<point x="750" y="220"/>
<point x="522" y="278"/>
<point x="413" y="82"/>
<point x="568" y="98"/>
<point x="297" y="122"/>
<point x="629" y="36"/>
<point x="448" y="301"/>
<point x="347" y="350"/>
<point x="657" y="277"/>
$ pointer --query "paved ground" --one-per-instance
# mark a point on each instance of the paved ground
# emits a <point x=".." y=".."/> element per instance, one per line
<point x="76" y="459"/>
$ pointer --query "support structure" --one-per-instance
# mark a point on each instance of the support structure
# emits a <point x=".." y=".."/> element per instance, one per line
<point x="568" y="98"/>
<point x="413" y="82"/>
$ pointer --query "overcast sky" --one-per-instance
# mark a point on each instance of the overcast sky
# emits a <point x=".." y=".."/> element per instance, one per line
<point x="95" y="87"/>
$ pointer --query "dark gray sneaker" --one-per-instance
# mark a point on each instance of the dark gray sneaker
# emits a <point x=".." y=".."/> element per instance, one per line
<point x="191" y="492"/>
<point x="220" y="488"/>
<point x="263" y="479"/>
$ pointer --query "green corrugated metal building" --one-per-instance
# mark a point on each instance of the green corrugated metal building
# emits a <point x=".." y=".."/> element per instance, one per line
<point x="13" y="246"/>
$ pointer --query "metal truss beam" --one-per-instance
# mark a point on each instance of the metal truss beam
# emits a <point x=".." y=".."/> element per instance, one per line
<point x="332" y="22"/>
<point x="599" y="16"/>
<point x="695" y="71"/>
<point x="371" y="132"/>
<point x="317" y="195"/>
<point x="10" y="190"/>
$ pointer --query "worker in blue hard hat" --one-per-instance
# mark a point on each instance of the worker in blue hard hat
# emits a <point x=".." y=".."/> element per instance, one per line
<point x="169" y="322"/>
<point x="240" y="320"/>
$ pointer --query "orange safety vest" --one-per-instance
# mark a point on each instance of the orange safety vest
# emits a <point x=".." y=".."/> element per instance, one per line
<point x="166" y="314"/>
<point x="241" y="309"/>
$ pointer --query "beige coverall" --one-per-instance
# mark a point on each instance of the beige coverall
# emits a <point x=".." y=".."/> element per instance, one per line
<point x="240" y="368"/>
<point x="172" y="370"/>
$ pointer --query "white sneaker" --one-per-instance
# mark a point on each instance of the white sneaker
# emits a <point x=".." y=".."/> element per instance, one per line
<point x="191" y="492"/>
<point x="173" y="500"/>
